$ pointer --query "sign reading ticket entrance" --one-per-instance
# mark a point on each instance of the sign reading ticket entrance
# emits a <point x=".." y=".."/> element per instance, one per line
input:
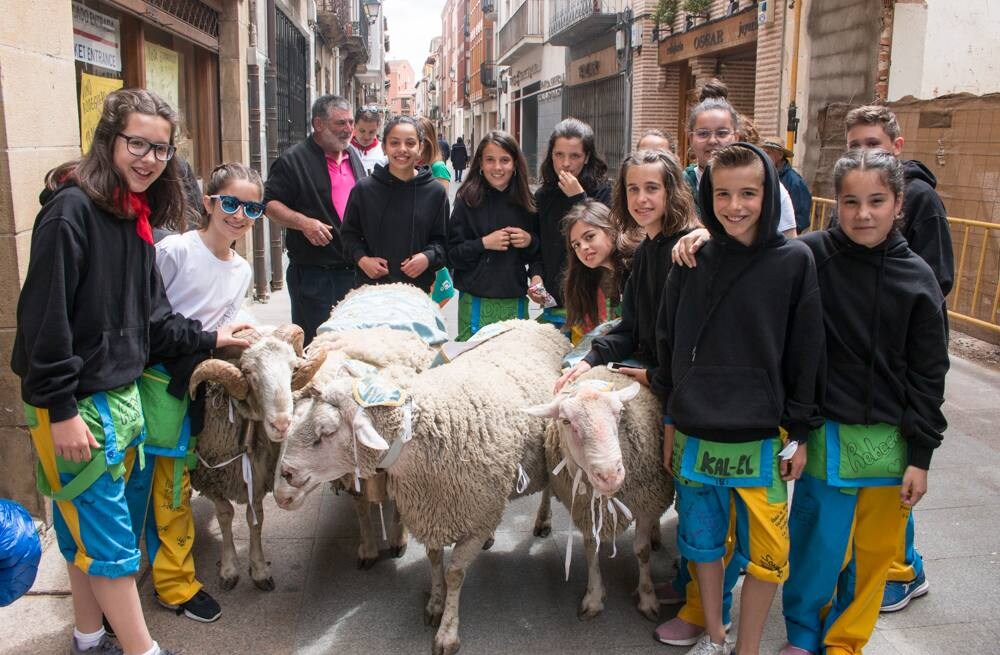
<point x="95" y="38"/>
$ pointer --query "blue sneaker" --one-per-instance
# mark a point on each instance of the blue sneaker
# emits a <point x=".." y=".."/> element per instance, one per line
<point x="899" y="594"/>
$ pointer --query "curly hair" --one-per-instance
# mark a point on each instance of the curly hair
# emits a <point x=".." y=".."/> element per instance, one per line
<point x="679" y="215"/>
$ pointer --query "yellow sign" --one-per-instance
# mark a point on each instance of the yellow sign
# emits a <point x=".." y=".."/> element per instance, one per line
<point x="162" y="74"/>
<point x="93" y="91"/>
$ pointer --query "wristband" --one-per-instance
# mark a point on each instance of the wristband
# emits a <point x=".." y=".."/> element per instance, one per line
<point x="667" y="420"/>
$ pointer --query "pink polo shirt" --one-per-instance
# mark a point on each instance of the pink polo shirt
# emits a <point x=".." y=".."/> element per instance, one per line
<point x="341" y="181"/>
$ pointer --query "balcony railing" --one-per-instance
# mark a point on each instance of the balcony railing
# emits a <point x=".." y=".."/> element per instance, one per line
<point x="526" y="23"/>
<point x="576" y="20"/>
<point x="488" y="75"/>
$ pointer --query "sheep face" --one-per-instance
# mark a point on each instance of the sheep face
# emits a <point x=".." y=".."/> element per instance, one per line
<point x="587" y="420"/>
<point x="332" y="436"/>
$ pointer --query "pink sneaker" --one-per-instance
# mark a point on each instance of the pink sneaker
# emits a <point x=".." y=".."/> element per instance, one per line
<point x="667" y="594"/>
<point x="794" y="650"/>
<point x="678" y="632"/>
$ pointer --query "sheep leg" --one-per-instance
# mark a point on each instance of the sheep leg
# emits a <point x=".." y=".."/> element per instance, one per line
<point x="543" y="518"/>
<point x="368" y="548"/>
<point x="655" y="536"/>
<point x="446" y="642"/>
<point x="229" y="572"/>
<point x="593" y="601"/>
<point x="398" y="534"/>
<point x="649" y="605"/>
<point x="435" y="604"/>
<point x="260" y="569"/>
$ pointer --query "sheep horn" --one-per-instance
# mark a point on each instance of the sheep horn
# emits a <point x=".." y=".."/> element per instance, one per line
<point x="306" y="368"/>
<point x="292" y="334"/>
<point x="234" y="352"/>
<point x="222" y="372"/>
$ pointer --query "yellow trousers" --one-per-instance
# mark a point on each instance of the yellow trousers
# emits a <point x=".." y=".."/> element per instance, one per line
<point x="170" y="536"/>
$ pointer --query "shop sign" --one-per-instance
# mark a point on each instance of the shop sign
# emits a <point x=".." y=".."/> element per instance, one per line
<point x="95" y="38"/>
<point x="518" y="77"/>
<point x="163" y="73"/>
<point x="725" y="34"/>
<point x="93" y="90"/>
<point x="596" y="66"/>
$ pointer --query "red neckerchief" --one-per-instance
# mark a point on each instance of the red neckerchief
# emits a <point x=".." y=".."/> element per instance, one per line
<point x="364" y="149"/>
<point x="139" y="205"/>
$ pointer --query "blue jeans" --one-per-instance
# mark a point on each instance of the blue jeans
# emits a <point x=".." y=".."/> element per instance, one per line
<point x="313" y="291"/>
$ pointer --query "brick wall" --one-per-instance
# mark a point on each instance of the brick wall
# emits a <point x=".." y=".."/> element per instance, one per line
<point x="767" y="110"/>
<point x="654" y="100"/>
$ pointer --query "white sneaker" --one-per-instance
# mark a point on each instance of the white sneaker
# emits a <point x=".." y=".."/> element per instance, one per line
<point x="706" y="646"/>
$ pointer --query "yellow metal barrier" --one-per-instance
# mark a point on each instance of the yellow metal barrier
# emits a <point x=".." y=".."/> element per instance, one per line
<point x="977" y="246"/>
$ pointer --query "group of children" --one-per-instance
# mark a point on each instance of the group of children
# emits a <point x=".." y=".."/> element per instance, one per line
<point x="820" y="359"/>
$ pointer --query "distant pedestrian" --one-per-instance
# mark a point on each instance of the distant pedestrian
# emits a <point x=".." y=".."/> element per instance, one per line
<point x="365" y="140"/>
<point x="430" y="153"/>
<point x="791" y="180"/>
<point x="656" y="139"/>
<point x="306" y="191"/>
<point x="459" y="158"/>
<point x="444" y="147"/>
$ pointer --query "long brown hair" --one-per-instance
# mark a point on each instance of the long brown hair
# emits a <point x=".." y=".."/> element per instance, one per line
<point x="581" y="282"/>
<point x="96" y="175"/>
<point x="430" y="152"/>
<point x="680" y="203"/>
<point x="474" y="187"/>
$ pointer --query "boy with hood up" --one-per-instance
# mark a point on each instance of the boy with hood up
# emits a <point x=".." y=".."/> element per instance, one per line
<point x="741" y="344"/>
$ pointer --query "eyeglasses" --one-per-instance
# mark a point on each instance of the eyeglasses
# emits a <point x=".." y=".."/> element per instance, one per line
<point x="230" y="205"/>
<point x="139" y="146"/>
<point x="705" y="135"/>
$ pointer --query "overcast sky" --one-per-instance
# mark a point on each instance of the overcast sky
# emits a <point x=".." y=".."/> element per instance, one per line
<point x="412" y="25"/>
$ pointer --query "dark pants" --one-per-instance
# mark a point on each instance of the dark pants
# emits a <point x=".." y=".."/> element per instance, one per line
<point x="458" y="174"/>
<point x="314" y="290"/>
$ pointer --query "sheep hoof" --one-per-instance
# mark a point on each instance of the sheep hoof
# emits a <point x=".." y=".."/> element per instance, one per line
<point x="543" y="530"/>
<point x="488" y="543"/>
<point x="228" y="583"/>
<point x="267" y="584"/>
<point x="589" y="609"/>
<point x="365" y="563"/>
<point x="432" y="617"/>
<point x="446" y="645"/>
<point x="398" y="551"/>
<point x="651" y="612"/>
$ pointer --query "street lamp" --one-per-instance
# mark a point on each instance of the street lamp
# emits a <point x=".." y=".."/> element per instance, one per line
<point x="371" y="7"/>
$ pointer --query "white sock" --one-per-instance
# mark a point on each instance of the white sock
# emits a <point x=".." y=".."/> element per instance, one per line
<point x="155" y="650"/>
<point x="85" y="641"/>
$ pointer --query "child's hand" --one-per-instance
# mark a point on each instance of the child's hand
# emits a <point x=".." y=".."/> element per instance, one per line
<point x="571" y="374"/>
<point x="224" y="336"/>
<point x="534" y="295"/>
<point x="668" y="448"/>
<point x="791" y="468"/>
<point x="497" y="240"/>
<point x="518" y="237"/>
<point x="914" y="486"/>
<point x="569" y="184"/>
<point x="374" y="267"/>
<point x="638" y="374"/>
<point x="414" y="265"/>
<point x="72" y="439"/>
<point x="688" y="245"/>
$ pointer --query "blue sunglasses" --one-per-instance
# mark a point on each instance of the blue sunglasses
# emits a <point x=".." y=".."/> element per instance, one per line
<point x="230" y="204"/>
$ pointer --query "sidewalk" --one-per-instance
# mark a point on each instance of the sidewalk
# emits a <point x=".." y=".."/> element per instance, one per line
<point x="514" y="599"/>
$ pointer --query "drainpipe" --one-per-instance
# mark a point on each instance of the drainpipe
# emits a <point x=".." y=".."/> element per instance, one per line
<point x="260" y="287"/>
<point x="793" y="121"/>
<point x="271" y="114"/>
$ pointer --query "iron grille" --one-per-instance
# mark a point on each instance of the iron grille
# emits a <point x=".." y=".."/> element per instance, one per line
<point x="196" y="14"/>
<point x="292" y="92"/>
<point x="604" y="106"/>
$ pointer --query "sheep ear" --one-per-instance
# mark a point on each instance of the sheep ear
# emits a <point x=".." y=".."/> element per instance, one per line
<point x="366" y="432"/>
<point x="548" y="410"/>
<point x="628" y="393"/>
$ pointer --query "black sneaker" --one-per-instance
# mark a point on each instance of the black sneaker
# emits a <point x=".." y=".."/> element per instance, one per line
<point x="104" y="647"/>
<point x="201" y="607"/>
<point x="108" y="630"/>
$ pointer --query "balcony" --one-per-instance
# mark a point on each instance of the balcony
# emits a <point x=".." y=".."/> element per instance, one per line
<point x="489" y="9"/>
<point x="333" y="19"/>
<point x="577" y="21"/>
<point x="525" y="29"/>
<point x="488" y="77"/>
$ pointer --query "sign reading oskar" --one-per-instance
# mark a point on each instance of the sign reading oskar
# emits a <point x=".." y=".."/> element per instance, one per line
<point x="739" y="29"/>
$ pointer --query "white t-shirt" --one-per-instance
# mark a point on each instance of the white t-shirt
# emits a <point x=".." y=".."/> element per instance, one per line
<point x="373" y="156"/>
<point x="199" y="285"/>
<point x="787" y="220"/>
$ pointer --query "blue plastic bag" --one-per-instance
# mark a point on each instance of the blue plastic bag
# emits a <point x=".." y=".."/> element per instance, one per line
<point x="20" y="551"/>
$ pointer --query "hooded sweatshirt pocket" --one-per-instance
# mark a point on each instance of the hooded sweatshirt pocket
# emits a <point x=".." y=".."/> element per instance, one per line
<point x="725" y="398"/>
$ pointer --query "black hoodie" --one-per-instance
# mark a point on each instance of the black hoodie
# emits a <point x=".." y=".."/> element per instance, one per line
<point x="490" y="273"/>
<point x="925" y="223"/>
<point x="886" y="338"/>
<point x="740" y="337"/>
<point x="635" y="335"/>
<point x="553" y="205"/>
<point x="392" y="218"/>
<point x="92" y="310"/>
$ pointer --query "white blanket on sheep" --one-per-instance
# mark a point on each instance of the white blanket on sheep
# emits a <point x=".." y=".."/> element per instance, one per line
<point x="397" y="306"/>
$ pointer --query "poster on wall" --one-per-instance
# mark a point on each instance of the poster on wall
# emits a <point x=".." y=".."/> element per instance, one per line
<point x="95" y="38"/>
<point x="162" y="73"/>
<point x="93" y="91"/>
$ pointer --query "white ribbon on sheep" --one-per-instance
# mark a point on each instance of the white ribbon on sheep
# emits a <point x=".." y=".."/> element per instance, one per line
<point x="246" y="465"/>
<point x="596" y="513"/>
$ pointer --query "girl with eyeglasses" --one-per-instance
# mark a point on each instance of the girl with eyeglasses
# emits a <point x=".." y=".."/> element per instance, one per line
<point x="91" y="313"/>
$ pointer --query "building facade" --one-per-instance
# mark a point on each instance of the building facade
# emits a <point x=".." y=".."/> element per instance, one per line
<point x="454" y="70"/>
<point x="482" y="69"/>
<point x="402" y="91"/>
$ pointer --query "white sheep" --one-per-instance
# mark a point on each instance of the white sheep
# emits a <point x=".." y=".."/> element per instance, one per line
<point x="472" y="449"/>
<point x="239" y="442"/>
<point x="600" y="421"/>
